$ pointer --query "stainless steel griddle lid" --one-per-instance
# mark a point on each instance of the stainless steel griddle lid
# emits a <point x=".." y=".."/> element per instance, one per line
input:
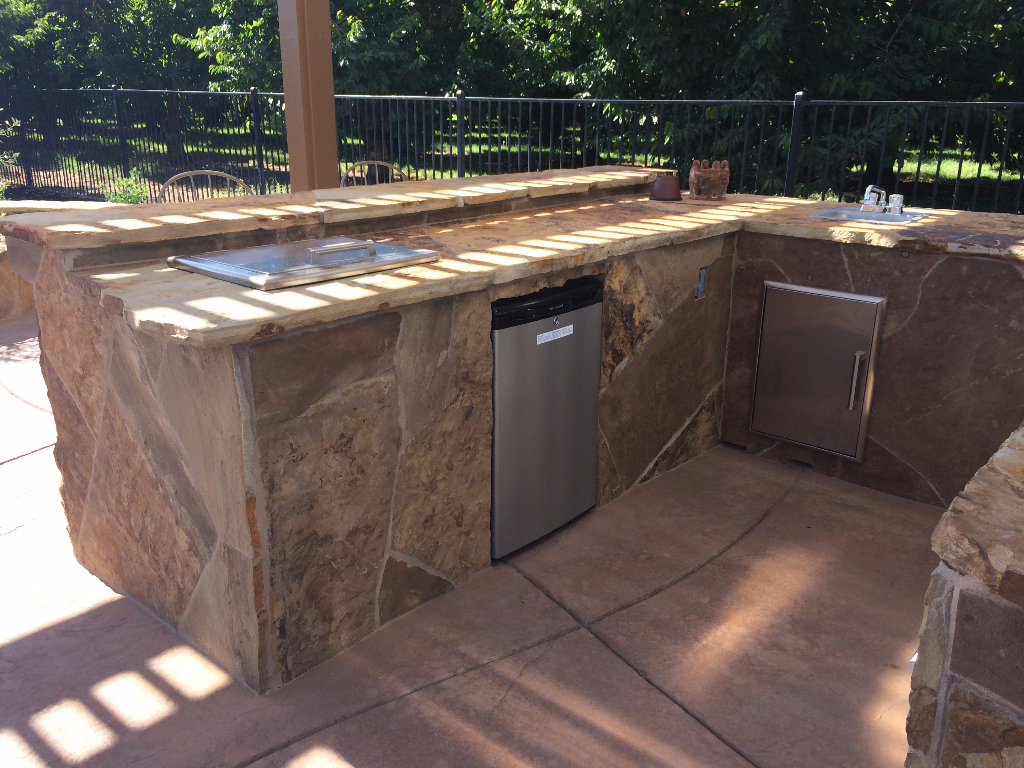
<point x="253" y="267"/>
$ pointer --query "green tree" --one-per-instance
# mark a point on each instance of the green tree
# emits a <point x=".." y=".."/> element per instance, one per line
<point x="899" y="49"/>
<point x="73" y="44"/>
<point x="242" y="46"/>
<point x="134" y="43"/>
<point x="378" y="47"/>
<point x="44" y="43"/>
<point x="527" y="48"/>
<point x="941" y="49"/>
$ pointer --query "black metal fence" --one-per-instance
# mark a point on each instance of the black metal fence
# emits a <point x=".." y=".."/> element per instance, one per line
<point x="962" y="155"/>
<point x="79" y="143"/>
<point x="430" y="137"/>
<point x="967" y="155"/>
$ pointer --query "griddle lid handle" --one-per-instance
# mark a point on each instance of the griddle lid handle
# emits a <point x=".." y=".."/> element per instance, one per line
<point x="314" y="256"/>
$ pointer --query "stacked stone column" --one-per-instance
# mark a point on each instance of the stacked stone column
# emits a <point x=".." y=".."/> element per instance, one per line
<point x="967" y="688"/>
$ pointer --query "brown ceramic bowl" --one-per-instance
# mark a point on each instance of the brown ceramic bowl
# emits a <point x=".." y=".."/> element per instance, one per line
<point x="666" y="188"/>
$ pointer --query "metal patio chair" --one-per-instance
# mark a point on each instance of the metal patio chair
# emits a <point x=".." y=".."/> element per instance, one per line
<point x="218" y="184"/>
<point x="375" y="172"/>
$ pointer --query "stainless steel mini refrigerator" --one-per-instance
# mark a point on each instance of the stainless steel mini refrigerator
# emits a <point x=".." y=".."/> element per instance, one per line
<point x="547" y="377"/>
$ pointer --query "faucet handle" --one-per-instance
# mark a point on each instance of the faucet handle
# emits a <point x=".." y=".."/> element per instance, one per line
<point x="895" y="204"/>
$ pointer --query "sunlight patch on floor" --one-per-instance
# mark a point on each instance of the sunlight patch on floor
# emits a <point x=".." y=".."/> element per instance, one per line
<point x="133" y="700"/>
<point x="770" y="590"/>
<point x="16" y="751"/>
<point x="885" y="716"/>
<point x="319" y="757"/>
<point x="72" y="731"/>
<point x="189" y="672"/>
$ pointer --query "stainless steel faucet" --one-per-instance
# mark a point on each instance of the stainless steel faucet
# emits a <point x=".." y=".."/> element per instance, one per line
<point x="874" y="199"/>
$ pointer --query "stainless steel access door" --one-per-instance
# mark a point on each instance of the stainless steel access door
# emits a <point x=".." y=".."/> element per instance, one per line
<point x="546" y="389"/>
<point x="815" y="367"/>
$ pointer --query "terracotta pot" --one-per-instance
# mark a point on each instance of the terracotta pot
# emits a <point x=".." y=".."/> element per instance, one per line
<point x="666" y="188"/>
<point x="709" y="182"/>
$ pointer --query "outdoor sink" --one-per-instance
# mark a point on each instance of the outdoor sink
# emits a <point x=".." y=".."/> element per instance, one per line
<point x="875" y="217"/>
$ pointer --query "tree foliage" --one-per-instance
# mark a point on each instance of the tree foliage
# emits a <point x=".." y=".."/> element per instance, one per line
<point x="242" y="48"/>
<point x="943" y="49"/>
<point x="900" y="49"/>
<point x="71" y="44"/>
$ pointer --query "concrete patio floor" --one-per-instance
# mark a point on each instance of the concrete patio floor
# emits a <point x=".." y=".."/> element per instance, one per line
<point x="732" y="612"/>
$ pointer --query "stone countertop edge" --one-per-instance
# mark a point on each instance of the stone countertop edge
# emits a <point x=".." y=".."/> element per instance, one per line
<point x="243" y="330"/>
<point x="101" y="226"/>
<point x="929" y="237"/>
<point x="972" y="235"/>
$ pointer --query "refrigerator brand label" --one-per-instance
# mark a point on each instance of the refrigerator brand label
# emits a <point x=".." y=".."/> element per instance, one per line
<point x="544" y="338"/>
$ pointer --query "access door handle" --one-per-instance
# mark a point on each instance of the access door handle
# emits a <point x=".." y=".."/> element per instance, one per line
<point x="857" y="357"/>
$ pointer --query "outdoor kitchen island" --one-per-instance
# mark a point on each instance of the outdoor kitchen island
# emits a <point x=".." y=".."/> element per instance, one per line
<point x="278" y="474"/>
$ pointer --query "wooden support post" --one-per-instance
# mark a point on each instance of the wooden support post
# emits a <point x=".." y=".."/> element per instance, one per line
<point x="307" y="65"/>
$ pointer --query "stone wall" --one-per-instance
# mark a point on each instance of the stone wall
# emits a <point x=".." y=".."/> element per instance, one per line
<point x="371" y="440"/>
<point x="967" y="688"/>
<point x="278" y="501"/>
<point x="371" y="452"/>
<point x="664" y="361"/>
<point x="15" y="291"/>
<point x="150" y="452"/>
<point x="948" y="387"/>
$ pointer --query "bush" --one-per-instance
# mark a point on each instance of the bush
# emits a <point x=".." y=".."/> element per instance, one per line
<point x="129" y="191"/>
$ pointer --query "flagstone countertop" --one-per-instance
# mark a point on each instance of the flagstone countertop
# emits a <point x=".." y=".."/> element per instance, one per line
<point x="476" y="252"/>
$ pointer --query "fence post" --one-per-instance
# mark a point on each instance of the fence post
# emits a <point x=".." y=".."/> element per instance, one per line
<point x="121" y="148"/>
<point x="794" y="144"/>
<point x="460" y="101"/>
<point x="257" y="132"/>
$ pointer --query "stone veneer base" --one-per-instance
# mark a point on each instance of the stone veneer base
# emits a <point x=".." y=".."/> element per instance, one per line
<point x="277" y="501"/>
<point x="312" y="486"/>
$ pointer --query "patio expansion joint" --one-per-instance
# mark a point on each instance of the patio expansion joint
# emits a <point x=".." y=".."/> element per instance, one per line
<point x="27" y="453"/>
<point x="708" y="560"/>
<point x="23" y="400"/>
<point x="596" y="634"/>
<point x="586" y="626"/>
<point x="370" y="707"/>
